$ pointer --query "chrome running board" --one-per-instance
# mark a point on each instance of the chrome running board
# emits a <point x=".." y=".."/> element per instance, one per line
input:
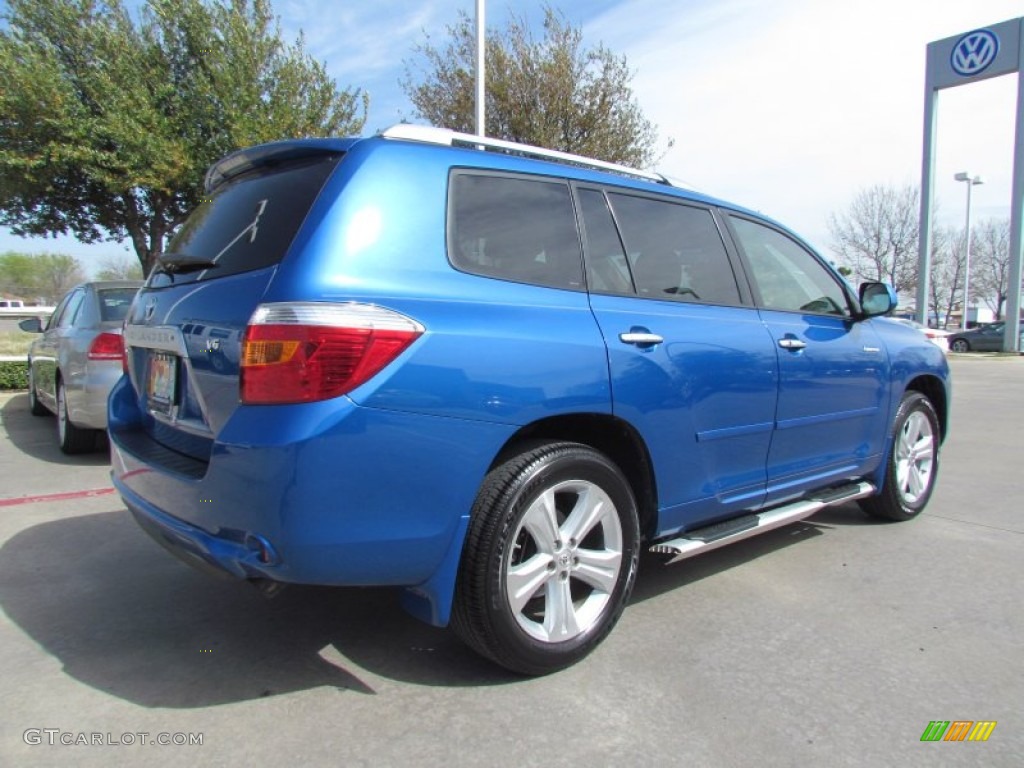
<point x="718" y="535"/>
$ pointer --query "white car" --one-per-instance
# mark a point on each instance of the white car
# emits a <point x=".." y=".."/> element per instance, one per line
<point x="935" y="335"/>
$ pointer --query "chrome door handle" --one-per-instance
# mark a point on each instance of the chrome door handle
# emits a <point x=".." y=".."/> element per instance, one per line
<point x="640" y="339"/>
<point x="791" y="344"/>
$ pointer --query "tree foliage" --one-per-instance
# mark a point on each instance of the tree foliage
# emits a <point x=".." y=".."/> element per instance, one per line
<point x="108" y="123"/>
<point x="877" y="236"/>
<point x="46" y="276"/>
<point x="553" y="92"/>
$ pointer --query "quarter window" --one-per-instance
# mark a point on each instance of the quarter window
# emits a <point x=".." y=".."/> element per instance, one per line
<point x="788" y="276"/>
<point x="515" y="229"/>
<point x="674" y="251"/>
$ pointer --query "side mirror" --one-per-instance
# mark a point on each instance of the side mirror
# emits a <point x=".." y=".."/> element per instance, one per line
<point x="877" y="299"/>
<point x="31" y="325"/>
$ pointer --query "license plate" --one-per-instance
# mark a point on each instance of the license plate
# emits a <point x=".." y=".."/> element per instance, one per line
<point x="163" y="381"/>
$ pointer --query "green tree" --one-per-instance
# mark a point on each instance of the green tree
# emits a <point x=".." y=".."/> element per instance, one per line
<point x="46" y="276"/>
<point x="108" y="123"/>
<point x="553" y="92"/>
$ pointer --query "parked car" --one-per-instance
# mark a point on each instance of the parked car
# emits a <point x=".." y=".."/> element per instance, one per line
<point x="74" y="364"/>
<point x="489" y="373"/>
<point x="936" y="336"/>
<point x="984" y="338"/>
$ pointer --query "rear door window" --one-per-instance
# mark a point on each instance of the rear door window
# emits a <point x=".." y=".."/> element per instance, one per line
<point x="514" y="228"/>
<point x="249" y="223"/>
<point x="675" y="251"/>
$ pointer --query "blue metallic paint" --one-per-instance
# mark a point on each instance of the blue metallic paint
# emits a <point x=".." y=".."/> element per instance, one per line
<point x="376" y="487"/>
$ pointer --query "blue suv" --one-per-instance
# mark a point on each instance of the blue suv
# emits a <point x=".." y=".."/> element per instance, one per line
<point x="490" y="373"/>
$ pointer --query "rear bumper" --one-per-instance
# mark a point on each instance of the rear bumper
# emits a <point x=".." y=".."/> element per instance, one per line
<point x="324" y="493"/>
<point x="87" y="393"/>
<point x="249" y="558"/>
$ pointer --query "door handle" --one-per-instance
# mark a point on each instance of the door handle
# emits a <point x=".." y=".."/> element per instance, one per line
<point x="640" y="339"/>
<point x="788" y="343"/>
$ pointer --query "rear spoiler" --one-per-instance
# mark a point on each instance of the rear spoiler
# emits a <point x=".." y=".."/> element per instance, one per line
<point x="275" y="153"/>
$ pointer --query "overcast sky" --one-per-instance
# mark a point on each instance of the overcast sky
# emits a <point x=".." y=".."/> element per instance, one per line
<point x="785" y="106"/>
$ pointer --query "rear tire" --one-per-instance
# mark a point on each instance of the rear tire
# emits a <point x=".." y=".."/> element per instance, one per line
<point x="35" y="407"/>
<point x="71" y="439"/>
<point x="960" y="345"/>
<point x="913" y="462"/>
<point x="549" y="560"/>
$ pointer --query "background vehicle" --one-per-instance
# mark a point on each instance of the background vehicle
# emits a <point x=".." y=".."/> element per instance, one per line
<point x="986" y="338"/>
<point x="936" y="336"/>
<point x="78" y="358"/>
<point x="490" y="373"/>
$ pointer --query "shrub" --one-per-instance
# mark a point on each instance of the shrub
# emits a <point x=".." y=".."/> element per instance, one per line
<point x="14" y="374"/>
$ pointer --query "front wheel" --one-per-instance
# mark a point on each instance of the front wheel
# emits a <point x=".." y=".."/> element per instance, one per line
<point x="913" y="462"/>
<point x="960" y="345"/>
<point x="550" y="558"/>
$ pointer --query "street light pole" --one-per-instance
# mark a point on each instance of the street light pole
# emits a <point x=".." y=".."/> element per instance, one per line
<point x="971" y="181"/>
<point x="481" y="40"/>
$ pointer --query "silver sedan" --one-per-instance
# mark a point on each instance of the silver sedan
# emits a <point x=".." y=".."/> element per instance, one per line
<point x="78" y="359"/>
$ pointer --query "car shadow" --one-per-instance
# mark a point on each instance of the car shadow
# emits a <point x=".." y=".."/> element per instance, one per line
<point x="657" y="576"/>
<point x="124" y="617"/>
<point x="36" y="436"/>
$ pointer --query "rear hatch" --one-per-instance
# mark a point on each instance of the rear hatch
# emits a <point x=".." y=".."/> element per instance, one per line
<point x="184" y="331"/>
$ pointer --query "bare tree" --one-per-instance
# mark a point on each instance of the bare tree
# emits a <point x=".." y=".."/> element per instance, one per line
<point x="119" y="268"/>
<point x="990" y="262"/>
<point x="877" y="235"/>
<point x="947" y="277"/>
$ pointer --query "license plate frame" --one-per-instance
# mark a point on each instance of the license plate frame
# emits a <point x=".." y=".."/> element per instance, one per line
<point x="162" y="382"/>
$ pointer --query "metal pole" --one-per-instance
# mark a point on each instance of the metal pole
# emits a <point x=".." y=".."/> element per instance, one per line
<point x="924" y="254"/>
<point x="480" y="45"/>
<point x="1011" y="332"/>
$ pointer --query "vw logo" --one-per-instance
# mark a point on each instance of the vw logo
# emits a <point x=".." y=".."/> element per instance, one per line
<point x="973" y="52"/>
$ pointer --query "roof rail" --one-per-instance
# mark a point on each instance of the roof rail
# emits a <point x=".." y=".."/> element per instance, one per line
<point x="431" y="135"/>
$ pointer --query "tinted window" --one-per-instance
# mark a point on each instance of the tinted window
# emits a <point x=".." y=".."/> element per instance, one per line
<point x="114" y="303"/>
<point x="607" y="269"/>
<point x="788" y="276"/>
<point x="516" y="229"/>
<point x="249" y="223"/>
<point x="674" y="251"/>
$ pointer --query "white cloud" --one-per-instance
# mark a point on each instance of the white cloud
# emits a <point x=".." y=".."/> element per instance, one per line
<point x="792" y="106"/>
<point x="785" y="106"/>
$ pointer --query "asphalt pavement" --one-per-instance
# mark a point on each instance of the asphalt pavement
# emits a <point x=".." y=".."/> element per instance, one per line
<point x="833" y="642"/>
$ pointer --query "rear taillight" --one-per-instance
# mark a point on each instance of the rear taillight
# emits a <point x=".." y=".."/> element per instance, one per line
<point x="301" y="352"/>
<point x="107" y="346"/>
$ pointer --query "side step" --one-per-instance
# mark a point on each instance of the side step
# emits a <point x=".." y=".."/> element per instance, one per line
<point x="743" y="527"/>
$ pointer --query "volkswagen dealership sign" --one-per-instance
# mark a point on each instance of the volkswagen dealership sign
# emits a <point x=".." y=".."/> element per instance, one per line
<point x="983" y="53"/>
<point x="974" y="52"/>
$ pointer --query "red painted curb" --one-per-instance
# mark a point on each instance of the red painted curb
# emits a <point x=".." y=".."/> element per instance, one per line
<point x="55" y="497"/>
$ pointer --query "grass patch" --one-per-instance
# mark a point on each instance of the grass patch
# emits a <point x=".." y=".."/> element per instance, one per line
<point x="16" y="342"/>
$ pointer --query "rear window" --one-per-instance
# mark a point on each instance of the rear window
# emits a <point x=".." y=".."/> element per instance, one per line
<point x="514" y="228"/>
<point x="249" y="223"/>
<point x="114" y="303"/>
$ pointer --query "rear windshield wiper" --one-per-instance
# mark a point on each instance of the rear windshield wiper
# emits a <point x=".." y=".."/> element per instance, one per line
<point x="180" y="264"/>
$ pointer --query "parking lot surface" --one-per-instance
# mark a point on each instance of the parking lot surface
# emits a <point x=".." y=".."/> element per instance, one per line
<point x="831" y="642"/>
